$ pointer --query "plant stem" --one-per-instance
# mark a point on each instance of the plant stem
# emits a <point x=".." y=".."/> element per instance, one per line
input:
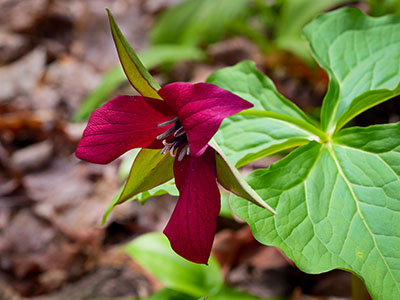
<point x="292" y="120"/>
<point x="358" y="291"/>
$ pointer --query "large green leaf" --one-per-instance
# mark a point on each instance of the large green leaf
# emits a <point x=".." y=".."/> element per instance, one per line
<point x="196" y="22"/>
<point x="360" y="54"/>
<point x="364" y="102"/>
<point x="338" y="206"/>
<point x="168" y="294"/>
<point x="154" y="253"/>
<point x="294" y="15"/>
<point x="247" y="138"/>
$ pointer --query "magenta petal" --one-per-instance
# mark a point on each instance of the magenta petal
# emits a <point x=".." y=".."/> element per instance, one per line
<point x="121" y="124"/>
<point x="201" y="108"/>
<point x="192" y="226"/>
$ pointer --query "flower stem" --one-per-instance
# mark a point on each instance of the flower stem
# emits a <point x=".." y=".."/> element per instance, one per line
<point x="358" y="291"/>
<point x="292" y="120"/>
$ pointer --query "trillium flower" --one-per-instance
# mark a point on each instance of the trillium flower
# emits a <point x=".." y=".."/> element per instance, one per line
<point x="181" y="126"/>
<point x="179" y="120"/>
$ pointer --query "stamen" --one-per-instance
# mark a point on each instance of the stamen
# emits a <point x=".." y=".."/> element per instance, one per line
<point x="166" y="134"/>
<point x="183" y="152"/>
<point x="173" y="120"/>
<point x="180" y="131"/>
<point x="172" y="151"/>
<point x="167" y="147"/>
<point x="164" y="150"/>
<point x="179" y="139"/>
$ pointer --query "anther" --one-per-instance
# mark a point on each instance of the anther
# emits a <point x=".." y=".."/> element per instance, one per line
<point x="183" y="152"/>
<point x="166" y="134"/>
<point x="180" y="131"/>
<point x="173" y="120"/>
<point x="167" y="147"/>
<point x="172" y="151"/>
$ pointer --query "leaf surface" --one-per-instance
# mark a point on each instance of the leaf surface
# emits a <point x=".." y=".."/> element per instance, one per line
<point x="360" y="54"/>
<point x="153" y="250"/>
<point x="338" y="206"/>
<point x="196" y="22"/>
<point x="168" y="294"/>
<point x="247" y="138"/>
<point x="294" y="15"/>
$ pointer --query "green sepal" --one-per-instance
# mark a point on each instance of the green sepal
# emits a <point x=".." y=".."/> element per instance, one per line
<point x="150" y="169"/>
<point x="136" y="73"/>
<point x="230" y="178"/>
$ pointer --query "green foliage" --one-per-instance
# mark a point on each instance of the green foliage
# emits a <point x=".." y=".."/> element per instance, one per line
<point x="196" y="22"/>
<point x="182" y="279"/>
<point x="153" y="250"/>
<point x="384" y="7"/>
<point x="293" y="16"/>
<point x="337" y="197"/>
<point x="247" y="138"/>
<point x="359" y="55"/>
<point x="181" y="29"/>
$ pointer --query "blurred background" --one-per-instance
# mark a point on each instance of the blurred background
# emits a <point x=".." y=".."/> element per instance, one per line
<point x="58" y="63"/>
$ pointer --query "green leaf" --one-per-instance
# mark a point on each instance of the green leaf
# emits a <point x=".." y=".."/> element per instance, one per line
<point x="226" y="210"/>
<point x="360" y="54"/>
<point x="294" y="15"/>
<point x="158" y="55"/>
<point x="364" y="102"/>
<point x="153" y="252"/>
<point x="168" y="294"/>
<point x="337" y="206"/>
<point x="136" y="73"/>
<point x="165" y="188"/>
<point x="247" y="138"/>
<point x="196" y="22"/>
<point x="227" y="293"/>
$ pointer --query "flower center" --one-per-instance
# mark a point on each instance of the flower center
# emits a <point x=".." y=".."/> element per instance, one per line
<point x="178" y="139"/>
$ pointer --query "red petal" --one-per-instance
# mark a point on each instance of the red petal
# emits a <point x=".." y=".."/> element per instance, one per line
<point x="121" y="124"/>
<point x="201" y="108"/>
<point x="192" y="226"/>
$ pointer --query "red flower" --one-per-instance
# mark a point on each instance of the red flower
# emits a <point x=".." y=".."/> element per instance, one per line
<point x="181" y="125"/>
